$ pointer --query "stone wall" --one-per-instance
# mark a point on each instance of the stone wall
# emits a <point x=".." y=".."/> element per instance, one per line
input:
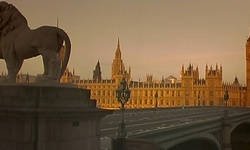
<point x="48" y="117"/>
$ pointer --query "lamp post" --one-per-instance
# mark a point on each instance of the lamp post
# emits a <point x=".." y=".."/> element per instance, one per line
<point x="198" y="99"/>
<point x="122" y="95"/>
<point x="156" y="99"/>
<point x="226" y="126"/>
<point x="226" y="98"/>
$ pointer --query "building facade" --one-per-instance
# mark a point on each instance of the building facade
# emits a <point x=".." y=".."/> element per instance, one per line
<point x="189" y="90"/>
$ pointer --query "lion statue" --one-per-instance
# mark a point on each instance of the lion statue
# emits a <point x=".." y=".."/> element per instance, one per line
<point x="19" y="42"/>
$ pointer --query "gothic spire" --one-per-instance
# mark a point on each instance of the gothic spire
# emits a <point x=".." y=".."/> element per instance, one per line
<point x="118" y="51"/>
<point x="118" y="45"/>
<point x="97" y="74"/>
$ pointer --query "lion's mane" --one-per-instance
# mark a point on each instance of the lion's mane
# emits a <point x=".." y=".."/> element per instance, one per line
<point x="10" y="18"/>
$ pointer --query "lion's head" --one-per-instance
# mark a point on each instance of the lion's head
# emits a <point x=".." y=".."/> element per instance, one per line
<point x="10" y="18"/>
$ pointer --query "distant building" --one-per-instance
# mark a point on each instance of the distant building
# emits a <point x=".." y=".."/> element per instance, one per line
<point x="20" y="78"/>
<point x="25" y="78"/>
<point x="69" y="76"/>
<point x="189" y="90"/>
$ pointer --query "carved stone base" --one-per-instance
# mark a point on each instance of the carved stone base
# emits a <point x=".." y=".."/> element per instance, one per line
<point x="48" y="117"/>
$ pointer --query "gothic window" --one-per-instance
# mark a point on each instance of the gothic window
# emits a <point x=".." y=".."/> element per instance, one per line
<point x="211" y="83"/>
<point x="211" y="93"/>
<point x="179" y="93"/>
<point x="140" y="102"/>
<point x="151" y="102"/>
<point x="151" y="93"/>
<point x="161" y="93"/>
<point x="172" y="93"/>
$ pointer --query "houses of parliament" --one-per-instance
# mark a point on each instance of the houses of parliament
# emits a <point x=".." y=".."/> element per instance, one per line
<point x="189" y="90"/>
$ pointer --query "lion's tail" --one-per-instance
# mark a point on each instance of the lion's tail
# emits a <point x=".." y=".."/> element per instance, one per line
<point x="65" y="61"/>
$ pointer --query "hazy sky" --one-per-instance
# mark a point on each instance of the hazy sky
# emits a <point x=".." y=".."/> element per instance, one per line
<point x="156" y="36"/>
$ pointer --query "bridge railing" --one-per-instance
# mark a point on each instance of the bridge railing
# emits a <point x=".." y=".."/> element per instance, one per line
<point x="172" y="132"/>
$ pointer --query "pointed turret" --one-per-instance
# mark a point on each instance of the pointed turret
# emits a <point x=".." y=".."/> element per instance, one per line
<point x="97" y="74"/>
<point x="236" y="81"/>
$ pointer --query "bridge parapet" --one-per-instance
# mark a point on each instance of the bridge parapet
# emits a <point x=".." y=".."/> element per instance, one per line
<point x="211" y="129"/>
<point x="174" y="132"/>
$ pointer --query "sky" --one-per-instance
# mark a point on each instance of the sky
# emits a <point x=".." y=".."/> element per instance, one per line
<point x="156" y="36"/>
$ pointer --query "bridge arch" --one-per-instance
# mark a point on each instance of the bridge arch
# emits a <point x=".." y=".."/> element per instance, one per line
<point x="198" y="142"/>
<point x="235" y="125"/>
<point x="240" y="136"/>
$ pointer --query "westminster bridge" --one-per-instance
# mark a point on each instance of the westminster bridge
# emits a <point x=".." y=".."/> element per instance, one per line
<point x="196" y="128"/>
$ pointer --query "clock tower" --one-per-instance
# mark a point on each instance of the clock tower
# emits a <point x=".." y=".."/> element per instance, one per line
<point x="248" y="70"/>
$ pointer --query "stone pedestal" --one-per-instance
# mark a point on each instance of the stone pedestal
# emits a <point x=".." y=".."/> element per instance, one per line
<point x="48" y="117"/>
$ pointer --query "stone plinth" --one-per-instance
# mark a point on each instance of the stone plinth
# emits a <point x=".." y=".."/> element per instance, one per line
<point x="48" y="117"/>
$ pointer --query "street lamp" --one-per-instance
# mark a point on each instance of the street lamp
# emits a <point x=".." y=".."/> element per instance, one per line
<point x="199" y="99"/>
<point x="226" y="126"/>
<point x="226" y="98"/>
<point x="156" y="99"/>
<point x="122" y="95"/>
